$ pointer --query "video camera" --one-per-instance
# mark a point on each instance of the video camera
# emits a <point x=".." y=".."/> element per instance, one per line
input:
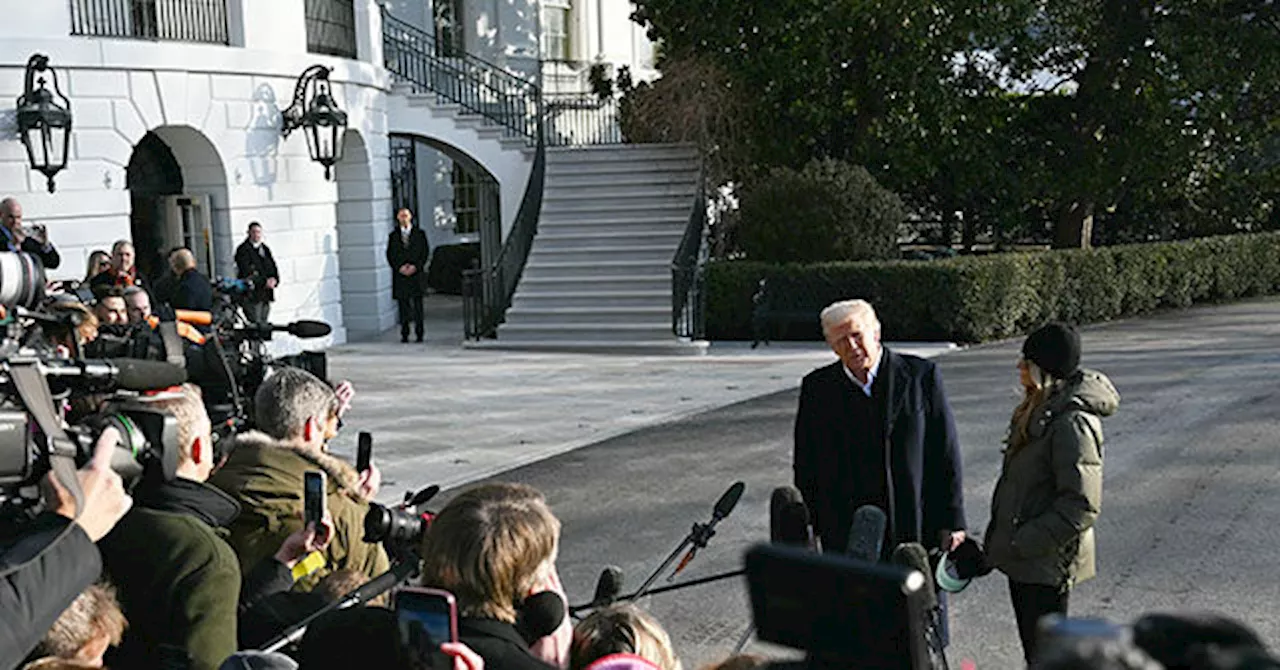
<point x="37" y="381"/>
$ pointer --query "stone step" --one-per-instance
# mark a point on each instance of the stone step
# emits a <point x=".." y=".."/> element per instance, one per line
<point x="608" y="332"/>
<point x="556" y="193"/>
<point x="649" y="282"/>
<point x="560" y="177"/>
<point x="654" y="316"/>
<point x="658" y="347"/>
<point x="592" y="270"/>
<point x="639" y="208"/>
<point x="556" y="238"/>
<point x="590" y="296"/>
<point x="608" y="254"/>
<point x="621" y="153"/>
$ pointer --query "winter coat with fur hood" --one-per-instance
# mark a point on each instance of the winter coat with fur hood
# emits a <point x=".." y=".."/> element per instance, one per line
<point x="1050" y="490"/>
<point x="265" y="476"/>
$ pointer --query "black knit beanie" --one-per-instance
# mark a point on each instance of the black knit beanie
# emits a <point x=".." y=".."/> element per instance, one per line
<point x="1055" y="347"/>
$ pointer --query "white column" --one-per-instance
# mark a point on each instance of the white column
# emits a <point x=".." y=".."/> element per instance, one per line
<point x="368" y="31"/>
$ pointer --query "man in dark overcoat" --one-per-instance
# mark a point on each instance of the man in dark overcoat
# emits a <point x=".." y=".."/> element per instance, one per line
<point x="255" y="263"/>
<point x="407" y="253"/>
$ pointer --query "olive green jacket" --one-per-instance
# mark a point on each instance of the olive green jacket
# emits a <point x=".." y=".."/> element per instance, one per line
<point x="1050" y="490"/>
<point x="265" y="476"/>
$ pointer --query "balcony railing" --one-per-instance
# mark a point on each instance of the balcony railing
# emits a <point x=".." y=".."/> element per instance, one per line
<point x="575" y="120"/>
<point x="331" y="27"/>
<point x="166" y="20"/>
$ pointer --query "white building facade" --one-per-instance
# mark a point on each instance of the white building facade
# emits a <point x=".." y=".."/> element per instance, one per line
<point x="177" y="134"/>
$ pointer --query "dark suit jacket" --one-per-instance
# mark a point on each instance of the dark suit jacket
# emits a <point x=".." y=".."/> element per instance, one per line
<point x="258" y="267"/>
<point x="398" y="254"/>
<point x="922" y="452"/>
<point x="499" y="644"/>
<point x="193" y="292"/>
<point x="50" y="258"/>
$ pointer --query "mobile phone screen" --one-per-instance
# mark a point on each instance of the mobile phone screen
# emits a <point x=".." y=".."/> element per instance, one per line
<point x="364" y="454"/>
<point x="313" y="497"/>
<point x="426" y="618"/>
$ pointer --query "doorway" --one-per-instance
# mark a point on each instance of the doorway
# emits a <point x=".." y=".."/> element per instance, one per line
<point x="153" y="173"/>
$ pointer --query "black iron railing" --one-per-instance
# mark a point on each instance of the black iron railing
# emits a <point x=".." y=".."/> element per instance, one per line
<point x="165" y="20"/>
<point x="487" y="292"/>
<point x="581" y="119"/>
<point x="476" y="85"/>
<point x="331" y="27"/>
<point x="687" y="299"/>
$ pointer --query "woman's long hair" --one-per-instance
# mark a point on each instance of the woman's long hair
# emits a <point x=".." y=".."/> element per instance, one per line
<point x="1044" y="384"/>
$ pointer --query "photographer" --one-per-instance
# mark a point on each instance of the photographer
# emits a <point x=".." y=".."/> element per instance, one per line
<point x="179" y="581"/>
<point x="121" y="274"/>
<point x="46" y="567"/>
<point x="15" y="237"/>
<point x="296" y="415"/>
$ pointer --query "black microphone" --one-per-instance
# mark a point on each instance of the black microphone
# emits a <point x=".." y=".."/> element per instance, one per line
<point x="540" y="615"/>
<point x="866" y="534"/>
<point x="306" y="328"/>
<point x="608" y="586"/>
<point x="130" y="374"/>
<point x="913" y="555"/>
<point x="788" y="518"/>
<point x="728" y="501"/>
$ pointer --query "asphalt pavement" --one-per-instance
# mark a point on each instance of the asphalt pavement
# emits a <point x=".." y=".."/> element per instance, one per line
<point x="1190" y="496"/>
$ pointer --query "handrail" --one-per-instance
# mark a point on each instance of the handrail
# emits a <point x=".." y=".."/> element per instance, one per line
<point x="487" y="292"/>
<point x="687" y="313"/>
<point x="581" y="119"/>
<point x="476" y="85"/>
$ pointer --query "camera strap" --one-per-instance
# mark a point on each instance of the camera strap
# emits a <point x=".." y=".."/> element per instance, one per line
<point x="173" y="348"/>
<point x="35" y="393"/>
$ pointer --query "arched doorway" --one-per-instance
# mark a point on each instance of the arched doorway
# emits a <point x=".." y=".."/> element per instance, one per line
<point x="152" y="174"/>
<point x="178" y="195"/>
<point x="455" y="199"/>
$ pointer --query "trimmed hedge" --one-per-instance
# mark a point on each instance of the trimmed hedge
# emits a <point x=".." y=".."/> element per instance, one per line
<point x="979" y="298"/>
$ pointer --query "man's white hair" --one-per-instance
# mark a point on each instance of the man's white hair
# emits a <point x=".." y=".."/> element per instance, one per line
<point x="837" y="312"/>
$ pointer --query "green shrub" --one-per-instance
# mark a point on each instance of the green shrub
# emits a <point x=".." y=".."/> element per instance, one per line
<point x="978" y="298"/>
<point x="829" y="211"/>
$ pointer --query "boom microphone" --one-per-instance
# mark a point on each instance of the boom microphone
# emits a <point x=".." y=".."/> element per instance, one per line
<point x="866" y="534"/>
<point x="728" y="501"/>
<point x="130" y="374"/>
<point x="914" y="556"/>
<point x="608" y="586"/>
<point x="303" y="329"/>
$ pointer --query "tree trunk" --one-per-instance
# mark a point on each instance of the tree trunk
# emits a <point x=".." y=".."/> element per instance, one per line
<point x="968" y="232"/>
<point x="1075" y="227"/>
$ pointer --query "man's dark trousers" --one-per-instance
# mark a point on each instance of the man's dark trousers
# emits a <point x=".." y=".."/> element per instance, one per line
<point x="410" y="309"/>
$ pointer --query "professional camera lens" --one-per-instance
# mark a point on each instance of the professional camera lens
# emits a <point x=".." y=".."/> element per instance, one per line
<point x="21" y="280"/>
<point x="393" y="526"/>
<point x="148" y="442"/>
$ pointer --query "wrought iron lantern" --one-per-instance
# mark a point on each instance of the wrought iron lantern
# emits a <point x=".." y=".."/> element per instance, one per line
<point x="321" y="121"/>
<point x="44" y="125"/>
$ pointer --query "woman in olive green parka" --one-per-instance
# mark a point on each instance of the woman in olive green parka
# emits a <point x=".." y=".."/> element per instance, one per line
<point x="1049" y="494"/>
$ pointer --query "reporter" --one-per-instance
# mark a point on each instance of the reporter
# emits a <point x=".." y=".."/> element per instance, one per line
<point x="179" y="581"/>
<point x="47" y="567"/>
<point x="493" y="546"/>
<point x="621" y="629"/>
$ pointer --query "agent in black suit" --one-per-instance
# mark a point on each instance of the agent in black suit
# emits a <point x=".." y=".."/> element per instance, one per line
<point x="255" y="263"/>
<point x="875" y="428"/>
<point x="407" y="252"/>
